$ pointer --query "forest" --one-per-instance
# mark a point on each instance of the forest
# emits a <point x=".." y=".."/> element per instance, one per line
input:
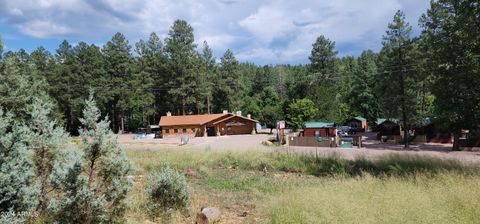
<point x="434" y="74"/>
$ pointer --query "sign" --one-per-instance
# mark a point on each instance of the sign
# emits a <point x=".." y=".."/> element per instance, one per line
<point x="281" y="124"/>
<point x="234" y="123"/>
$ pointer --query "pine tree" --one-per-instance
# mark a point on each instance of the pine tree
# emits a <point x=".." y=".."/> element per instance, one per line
<point x="362" y="95"/>
<point x="399" y="80"/>
<point x="452" y="36"/>
<point x="182" y="67"/>
<point x="1" y="48"/>
<point x="228" y="93"/>
<point x="119" y="69"/>
<point x="207" y="71"/>
<point x="19" y="88"/>
<point x="143" y="98"/>
<point x="156" y="61"/>
<point x="323" y="78"/>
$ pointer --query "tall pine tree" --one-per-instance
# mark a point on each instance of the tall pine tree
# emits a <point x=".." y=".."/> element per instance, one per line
<point x="182" y="67"/>
<point x="399" y="80"/>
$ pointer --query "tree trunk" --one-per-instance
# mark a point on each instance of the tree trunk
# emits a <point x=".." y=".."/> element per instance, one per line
<point x="183" y="106"/>
<point x="456" y="142"/>
<point x="122" y="120"/>
<point x="208" y="104"/>
<point x="114" y="120"/>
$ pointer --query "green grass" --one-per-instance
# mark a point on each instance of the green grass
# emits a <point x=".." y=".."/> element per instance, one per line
<point x="295" y="188"/>
<point x="332" y="165"/>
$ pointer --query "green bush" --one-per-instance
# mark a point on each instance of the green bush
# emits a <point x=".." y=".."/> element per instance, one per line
<point x="167" y="191"/>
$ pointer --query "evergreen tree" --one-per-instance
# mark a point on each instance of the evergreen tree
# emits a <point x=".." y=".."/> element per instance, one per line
<point x="51" y="147"/>
<point x="180" y="48"/>
<point x="156" y="65"/>
<point x="18" y="88"/>
<point x="63" y="82"/>
<point x="228" y="93"/>
<point x="1" y="48"/>
<point x="400" y="80"/>
<point x="207" y="68"/>
<point x="452" y="36"/>
<point x="17" y="172"/>
<point x="97" y="185"/>
<point x="323" y="59"/>
<point x="143" y="98"/>
<point x="323" y="80"/>
<point x="119" y="69"/>
<point x="362" y="95"/>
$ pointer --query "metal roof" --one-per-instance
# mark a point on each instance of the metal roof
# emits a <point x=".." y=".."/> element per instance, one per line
<point x="359" y="118"/>
<point x="319" y="124"/>
<point x="382" y="120"/>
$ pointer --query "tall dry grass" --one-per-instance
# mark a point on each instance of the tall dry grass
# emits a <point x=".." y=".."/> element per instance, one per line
<point x="445" y="198"/>
<point x="300" y="188"/>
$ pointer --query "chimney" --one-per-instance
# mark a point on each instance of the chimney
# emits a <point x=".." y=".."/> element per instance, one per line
<point x="249" y="116"/>
<point x="169" y="114"/>
<point x="225" y="111"/>
<point x="239" y="113"/>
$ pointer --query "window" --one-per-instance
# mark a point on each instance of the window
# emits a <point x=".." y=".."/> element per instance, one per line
<point x="167" y="131"/>
<point x="184" y="130"/>
<point x="175" y="130"/>
<point x="317" y="133"/>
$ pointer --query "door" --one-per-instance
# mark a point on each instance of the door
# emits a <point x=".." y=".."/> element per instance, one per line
<point x="211" y="131"/>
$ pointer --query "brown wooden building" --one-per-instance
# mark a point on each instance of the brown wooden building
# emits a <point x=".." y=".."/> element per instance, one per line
<point x="206" y="125"/>
<point x="357" y="123"/>
<point x="319" y="129"/>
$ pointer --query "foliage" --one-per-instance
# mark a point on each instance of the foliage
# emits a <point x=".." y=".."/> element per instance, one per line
<point x="451" y="37"/>
<point x="167" y="190"/>
<point x="400" y="83"/>
<point x="299" y="112"/>
<point x="228" y="87"/>
<point x="323" y="82"/>
<point x="97" y="184"/>
<point x="17" y="192"/>
<point x="19" y="87"/>
<point x="410" y="78"/>
<point x="182" y="64"/>
<point x="51" y="153"/>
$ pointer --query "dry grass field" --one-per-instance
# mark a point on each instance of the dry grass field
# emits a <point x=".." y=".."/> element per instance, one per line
<point x="268" y="187"/>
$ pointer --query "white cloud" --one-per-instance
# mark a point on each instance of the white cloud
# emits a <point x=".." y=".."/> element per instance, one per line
<point x="267" y="31"/>
<point x="43" y="28"/>
<point x="268" y="23"/>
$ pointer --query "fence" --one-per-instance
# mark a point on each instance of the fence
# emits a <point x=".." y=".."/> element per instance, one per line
<point x="312" y="141"/>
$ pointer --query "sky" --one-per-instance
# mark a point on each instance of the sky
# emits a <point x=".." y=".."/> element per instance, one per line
<point x="257" y="31"/>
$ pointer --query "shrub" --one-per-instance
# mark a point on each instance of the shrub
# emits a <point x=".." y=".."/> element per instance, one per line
<point x="16" y="170"/>
<point x="97" y="183"/>
<point x="167" y="190"/>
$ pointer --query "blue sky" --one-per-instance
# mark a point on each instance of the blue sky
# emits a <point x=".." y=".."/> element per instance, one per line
<point x="262" y="32"/>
